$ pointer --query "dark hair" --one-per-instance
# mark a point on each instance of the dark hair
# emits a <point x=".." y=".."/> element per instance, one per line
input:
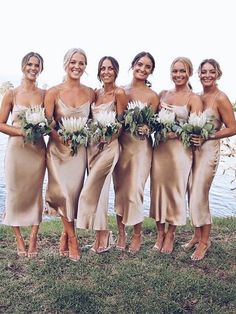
<point x="114" y="63"/>
<point x="26" y="58"/>
<point x="141" y="55"/>
<point x="215" y="65"/>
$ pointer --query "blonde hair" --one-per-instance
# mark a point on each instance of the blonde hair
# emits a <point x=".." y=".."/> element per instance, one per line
<point x="70" y="54"/>
<point x="187" y="64"/>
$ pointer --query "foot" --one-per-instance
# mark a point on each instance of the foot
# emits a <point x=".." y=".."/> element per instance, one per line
<point x="121" y="241"/>
<point x="200" y="251"/>
<point x="191" y="244"/>
<point x="64" y="248"/>
<point x="74" y="254"/>
<point x="159" y="242"/>
<point x="135" y="244"/>
<point x="21" y="249"/>
<point x="95" y="245"/>
<point x="104" y="248"/>
<point x="168" y="244"/>
<point x="32" y="251"/>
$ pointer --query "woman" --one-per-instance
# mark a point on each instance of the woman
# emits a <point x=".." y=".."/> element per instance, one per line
<point x="171" y="163"/>
<point x="206" y="157"/>
<point x="93" y="203"/>
<point x="133" y="167"/>
<point x="25" y="163"/>
<point x="66" y="172"/>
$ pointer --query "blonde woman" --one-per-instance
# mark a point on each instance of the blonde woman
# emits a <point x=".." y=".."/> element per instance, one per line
<point x="206" y="158"/>
<point x="25" y="163"/>
<point x="171" y="162"/>
<point x="66" y="172"/>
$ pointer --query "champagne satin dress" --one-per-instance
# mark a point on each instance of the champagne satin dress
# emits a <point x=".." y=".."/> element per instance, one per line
<point x="93" y="202"/>
<point x="171" y="166"/>
<point x="65" y="172"/>
<point x="205" y="163"/>
<point x="130" y="176"/>
<point x="25" y="165"/>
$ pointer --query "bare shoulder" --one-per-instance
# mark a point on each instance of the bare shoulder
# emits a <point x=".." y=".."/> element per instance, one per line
<point x="119" y="91"/>
<point x="163" y="93"/>
<point x="195" y="97"/>
<point x="221" y="97"/>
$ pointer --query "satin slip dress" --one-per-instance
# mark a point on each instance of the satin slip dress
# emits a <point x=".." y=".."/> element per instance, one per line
<point x="65" y="172"/>
<point x="94" y="198"/>
<point x="205" y="163"/>
<point x="170" y="170"/>
<point x="130" y="176"/>
<point x="25" y="165"/>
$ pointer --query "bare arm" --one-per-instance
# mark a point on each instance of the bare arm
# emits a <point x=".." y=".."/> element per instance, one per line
<point x="49" y="105"/>
<point x="5" y="110"/>
<point x="225" y="109"/>
<point x="195" y="104"/>
<point x="121" y="101"/>
<point x="155" y="101"/>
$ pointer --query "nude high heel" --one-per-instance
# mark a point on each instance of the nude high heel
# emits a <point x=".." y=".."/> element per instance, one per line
<point x="33" y="252"/>
<point x="135" y="244"/>
<point x="110" y="242"/>
<point x="21" y="253"/>
<point x="73" y="242"/>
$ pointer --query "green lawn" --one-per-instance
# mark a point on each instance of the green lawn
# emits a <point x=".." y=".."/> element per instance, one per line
<point x="117" y="282"/>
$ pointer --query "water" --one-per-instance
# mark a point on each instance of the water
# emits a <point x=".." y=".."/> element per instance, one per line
<point x="222" y="194"/>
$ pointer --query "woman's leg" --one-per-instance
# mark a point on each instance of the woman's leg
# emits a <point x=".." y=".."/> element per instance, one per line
<point x="32" y="251"/>
<point x="73" y="244"/>
<point x="105" y="241"/>
<point x="203" y="244"/>
<point x="195" y="239"/>
<point x="168" y="244"/>
<point x="121" y="241"/>
<point x="136" y="238"/>
<point x="160" y="236"/>
<point x="21" y="249"/>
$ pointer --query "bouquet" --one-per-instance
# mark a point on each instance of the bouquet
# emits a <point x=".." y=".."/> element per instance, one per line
<point x="199" y="124"/>
<point x="138" y="115"/>
<point x="163" y="123"/>
<point x="104" y="127"/>
<point x="34" y="123"/>
<point x="74" y="132"/>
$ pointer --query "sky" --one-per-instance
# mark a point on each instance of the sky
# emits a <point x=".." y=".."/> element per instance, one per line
<point x="196" y="29"/>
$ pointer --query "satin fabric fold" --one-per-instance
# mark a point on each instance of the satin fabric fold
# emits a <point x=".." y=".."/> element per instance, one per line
<point x="171" y="167"/>
<point x="25" y="165"/>
<point x="65" y="172"/>
<point x="94" y="198"/>
<point x="130" y="176"/>
<point x="205" y="163"/>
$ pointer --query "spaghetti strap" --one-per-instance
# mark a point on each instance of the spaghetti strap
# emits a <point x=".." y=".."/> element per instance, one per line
<point x="189" y="96"/>
<point x="214" y="99"/>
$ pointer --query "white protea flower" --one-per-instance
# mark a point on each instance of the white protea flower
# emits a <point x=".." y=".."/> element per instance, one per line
<point x="106" y="118"/>
<point x="166" y="116"/>
<point x="198" y="119"/>
<point x="73" y="124"/>
<point x="35" y="115"/>
<point x="136" y="103"/>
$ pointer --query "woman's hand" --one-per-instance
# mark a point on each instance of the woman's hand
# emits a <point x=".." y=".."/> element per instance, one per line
<point x="197" y="140"/>
<point x="171" y="136"/>
<point x="143" y="131"/>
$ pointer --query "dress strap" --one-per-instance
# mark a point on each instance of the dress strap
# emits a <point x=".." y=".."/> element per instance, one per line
<point x="214" y="99"/>
<point x="188" y="98"/>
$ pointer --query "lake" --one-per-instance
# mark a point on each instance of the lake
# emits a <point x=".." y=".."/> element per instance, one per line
<point x="222" y="194"/>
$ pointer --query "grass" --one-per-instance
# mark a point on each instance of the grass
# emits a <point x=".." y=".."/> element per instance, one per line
<point x="117" y="282"/>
